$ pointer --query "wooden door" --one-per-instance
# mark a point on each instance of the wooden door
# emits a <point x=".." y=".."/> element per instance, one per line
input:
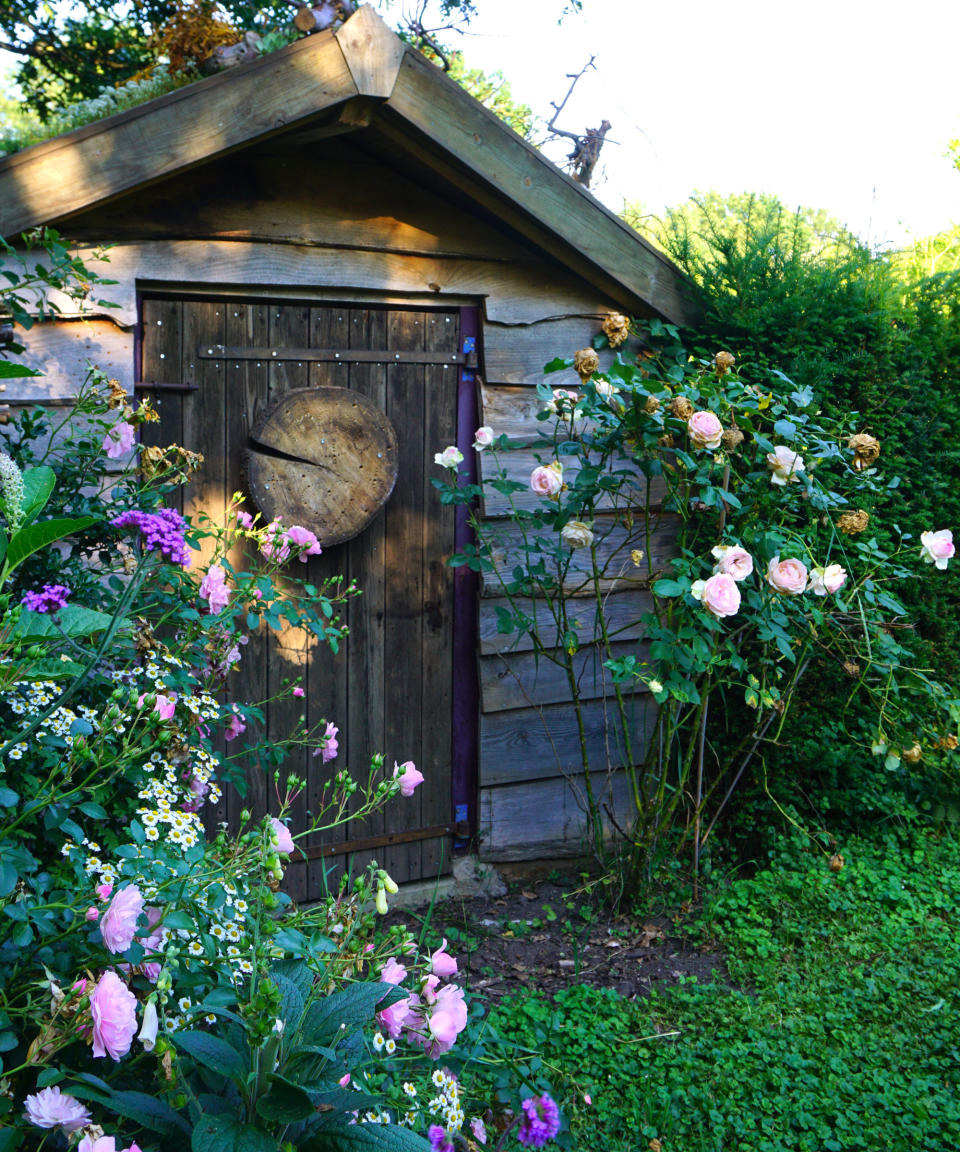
<point x="217" y="365"/>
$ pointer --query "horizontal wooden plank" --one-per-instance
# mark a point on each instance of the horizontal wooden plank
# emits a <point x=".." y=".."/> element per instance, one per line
<point x="622" y="614"/>
<point x="522" y="679"/>
<point x="64" y="350"/>
<point x="512" y="292"/>
<point x="517" y="355"/>
<point x="462" y="137"/>
<point x="544" y="818"/>
<point x="540" y="742"/>
<point x="95" y="163"/>
<point x="614" y="545"/>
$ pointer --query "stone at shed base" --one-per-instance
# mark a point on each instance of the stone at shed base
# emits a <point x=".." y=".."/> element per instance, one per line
<point x="475" y="879"/>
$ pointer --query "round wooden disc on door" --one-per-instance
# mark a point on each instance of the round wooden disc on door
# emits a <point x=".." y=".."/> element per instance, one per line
<point x="323" y="458"/>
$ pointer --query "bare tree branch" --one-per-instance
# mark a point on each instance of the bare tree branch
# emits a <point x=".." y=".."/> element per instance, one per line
<point x="586" y="145"/>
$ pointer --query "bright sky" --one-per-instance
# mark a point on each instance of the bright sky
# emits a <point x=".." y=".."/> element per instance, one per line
<point x="842" y="105"/>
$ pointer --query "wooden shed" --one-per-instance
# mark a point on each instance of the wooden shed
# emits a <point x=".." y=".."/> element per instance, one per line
<point x="340" y="213"/>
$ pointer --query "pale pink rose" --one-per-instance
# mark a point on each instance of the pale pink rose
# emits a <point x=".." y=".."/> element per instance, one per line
<point x="235" y="726"/>
<point x="393" y="972"/>
<point x="281" y="834"/>
<point x="103" y="891"/>
<point x="827" y="580"/>
<point x="118" y="925"/>
<point x="450" y="457"/>
<point x="442" y="963"/>
<point x="51" y="1108"/>
<point x="213" y="588"/>
<point x="166" y="705"/>
<point x="789" y="576"/>
<point x="937" y="547"/>
<point x="298" y="692"/>
<point x="564" y="403"/>
<point x="304" y="542"/>
<point x="91" y="914"/>
<point x="119" y="440"/>
<point x="785" y="466"/>
<point x="721" y="596"/>
<point x="483" y="438"/>
<point x="329" y="745"/>
<point x="410" y="777"/>
<point x="547" y="480"/>
<point x="113" y="1008"/>
<point x="705" y="430"/>
<point x="734" y="560"/>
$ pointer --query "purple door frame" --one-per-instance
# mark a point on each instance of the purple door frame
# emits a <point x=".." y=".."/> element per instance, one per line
<point x="466" y="588"/>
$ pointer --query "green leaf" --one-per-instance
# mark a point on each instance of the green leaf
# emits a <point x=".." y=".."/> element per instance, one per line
<point x="668" y="588"/>
<point x="73" y="619"/>
<point x="211" y="1052"/>
<point x="10" y="1139"/>
<point x="227" y="1134"/>
<point x="353" y="1006"/>
<point x="9" y="370"/>
<point x="8" y="879"/>
<point x="785" y="429"/>
<point x="365" y="1137"/>
<point x="38" y="485"/>
<point x="145" y="1110"/>
<point x="285" y="1103"/>
<point x="36" y="536"/>
<point x="8" y="798"/>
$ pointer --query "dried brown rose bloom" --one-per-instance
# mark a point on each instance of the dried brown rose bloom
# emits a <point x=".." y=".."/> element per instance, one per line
<point x="851" y="523"/>
<point x="585" y="362"/>
<point x="852" y="668"/>
<point x="865" y="449"/>
<point x="912" y="754"/>
<point x="732" y="439"/>
<point x="836" y="862"/>
<point x="118" y="394"/>
<point x="666" y="440"/>
<point x="681" y="407"/>
<point x="616" y="328"/>
<point x="948" y="743"/>
<point x="651" y="405"/>
<point x="724" y="361"/>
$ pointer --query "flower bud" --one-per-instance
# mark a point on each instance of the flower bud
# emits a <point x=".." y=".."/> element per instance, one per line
<point x="381" y="901"/>
<point x="390" y="884"/>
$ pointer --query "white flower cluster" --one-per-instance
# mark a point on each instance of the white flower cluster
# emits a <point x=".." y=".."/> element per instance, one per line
<point x="25" y="698"/>
<point x="11" y="492"/>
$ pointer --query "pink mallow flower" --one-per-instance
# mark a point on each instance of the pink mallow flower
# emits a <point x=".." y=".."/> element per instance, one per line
<point x="937" y="547"/>
<point x="329" y="746"/>
<point x="51" y="1108"/>
<point x="299" y="692"/>
<point x="304" y="542"/>
<point x="113" y="1008"/>
<point x="274" y="544"/>
<point x="213" y="588"/>
<point x="103" y="1144"/>
<point x="244" y="519"/>
<point x="393" y="972"/>
<point x="281" y="834"/>
<point x="394" y="1019"/>
<point x="119" y="440"/>
<point x="235" y="726"/>
<point x="410" y="777"/>
<point x="442" y="964"/>
<point x="118" y="925"/>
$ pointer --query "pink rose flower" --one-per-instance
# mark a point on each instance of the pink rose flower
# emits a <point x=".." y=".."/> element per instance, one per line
<point x="937" y="547"/>
<point x="103" y="891"/>
<point x="789" y="576"/>
<point x="827" y="580"/>
<point x="51" y="1108"/>
<point x="298" y="692"/>
<point x="482" y="438"/>
<point x="91" y="914"/>
<point x="274" y="544"/>
<point x="547" y="480"/>
<point x="450" y="457"/>
<point x="281" y="834"/>
<point x="393" y="972"/>
<point x="234" y="727"/>
<point x="442" y="963"/>
<point x="119" y="440"/>
<point x="705" y="430"/>
<point x="166" y="705"/>
<point x="244" y="519"/>
<point x="118" y="926"/>
<point x="734" y="560"/>
<point x="785" y="466"/>
<point x="720" y="595"/>
<point x="304" y="542"/>
<point x="329" y="745"/>
<point x="410" y="778"/>
<point x="113" y="1008"/>
<point x="213" y="588"/>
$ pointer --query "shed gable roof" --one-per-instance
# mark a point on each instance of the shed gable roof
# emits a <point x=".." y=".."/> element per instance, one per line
<point x="328" y="84"/>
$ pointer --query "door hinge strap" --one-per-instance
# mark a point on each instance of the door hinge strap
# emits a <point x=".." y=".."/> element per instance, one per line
<point x="327" y="355"/>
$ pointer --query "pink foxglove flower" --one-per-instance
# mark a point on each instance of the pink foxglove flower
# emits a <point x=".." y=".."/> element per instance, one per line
<point x="788" y="576"/>
<point x="937" y="547"/>
<point x="113" y="1008"/>
<point x="51" y="1108"/>
<point x="705" y="430"/>
<point x="824" y="581"/>
<point x="118" y="926"/>
<point x="410" y="777"/>
<point x="213" y="588"/>
<point x="734" y="560"/>
<point x="119" y="440"/>
<point x="442" y="963"/>
<point x="282" y="837"/>
<point x="547" y="480"/>
<point x="483" y="438"/>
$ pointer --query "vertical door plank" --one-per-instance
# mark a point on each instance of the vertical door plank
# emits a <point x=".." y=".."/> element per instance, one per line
<point x="203" y="424"/>
<point x="439" y="430"/>
<point x="290" y="648"/>
<point x="161" y="362"/>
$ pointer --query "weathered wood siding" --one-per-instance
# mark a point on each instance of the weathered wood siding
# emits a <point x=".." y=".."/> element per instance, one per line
<point x="338" y="220"/>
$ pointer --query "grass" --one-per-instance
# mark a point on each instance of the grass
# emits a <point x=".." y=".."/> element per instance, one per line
<point x="838" y="1029"/>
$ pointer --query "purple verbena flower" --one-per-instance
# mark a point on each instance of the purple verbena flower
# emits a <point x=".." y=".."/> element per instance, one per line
<point x="51" y="599"/>
<point x="540" y="1121"/>
<point x="162" y="530"/>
